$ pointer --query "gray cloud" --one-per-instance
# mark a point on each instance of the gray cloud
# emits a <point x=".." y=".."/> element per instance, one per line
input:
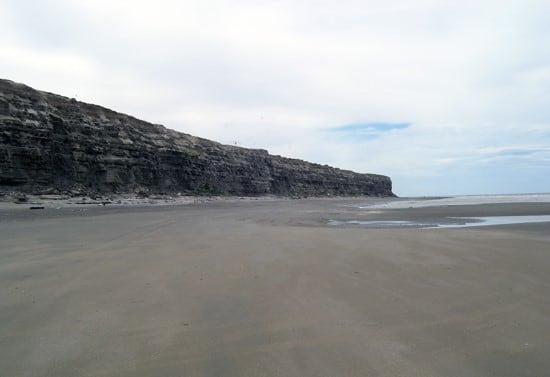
<point x="470" y="76"/>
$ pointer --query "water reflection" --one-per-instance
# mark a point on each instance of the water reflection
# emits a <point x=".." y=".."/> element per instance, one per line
<point x="449" y="222"/>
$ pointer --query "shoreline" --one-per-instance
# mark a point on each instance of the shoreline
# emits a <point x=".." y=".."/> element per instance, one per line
<point x="19" y="201"/>
<point x="338" y="212"/>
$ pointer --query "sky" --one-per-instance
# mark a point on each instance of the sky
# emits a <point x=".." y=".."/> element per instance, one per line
<point x="445" y="97"/>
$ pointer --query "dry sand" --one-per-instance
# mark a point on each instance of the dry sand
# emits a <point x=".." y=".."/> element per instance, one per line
<point x="267" y="288"/>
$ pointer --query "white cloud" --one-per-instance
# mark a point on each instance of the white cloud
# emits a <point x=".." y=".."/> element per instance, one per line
<point x="25" y="59"/>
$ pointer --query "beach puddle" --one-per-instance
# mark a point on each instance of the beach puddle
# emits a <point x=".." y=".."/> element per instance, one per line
<point x="495" y="220"/>
<point x="381" y="224"/>
<point x="449" y="222"/>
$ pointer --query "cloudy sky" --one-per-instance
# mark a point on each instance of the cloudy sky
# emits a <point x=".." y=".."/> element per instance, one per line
<point x="446" y="97"/>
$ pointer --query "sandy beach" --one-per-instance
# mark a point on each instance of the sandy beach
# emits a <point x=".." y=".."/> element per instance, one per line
<point x="271" y="288"/>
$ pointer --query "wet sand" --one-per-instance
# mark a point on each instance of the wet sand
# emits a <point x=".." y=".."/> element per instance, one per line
<point x="268" y="288"/>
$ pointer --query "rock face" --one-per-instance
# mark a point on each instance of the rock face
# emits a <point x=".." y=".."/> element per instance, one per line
<point x="53" y="144"/>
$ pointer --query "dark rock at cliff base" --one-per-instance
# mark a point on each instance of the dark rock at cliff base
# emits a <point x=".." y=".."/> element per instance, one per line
<point x="51" y="144"/>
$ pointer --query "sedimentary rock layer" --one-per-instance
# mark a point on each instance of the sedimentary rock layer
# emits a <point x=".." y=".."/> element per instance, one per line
<point x="53" y="144"/>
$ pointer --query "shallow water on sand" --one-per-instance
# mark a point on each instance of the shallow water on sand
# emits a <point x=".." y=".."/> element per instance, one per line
<point x="462" y="222"/>
<point x="496" y="220"/>
<point x="459" y="200"/>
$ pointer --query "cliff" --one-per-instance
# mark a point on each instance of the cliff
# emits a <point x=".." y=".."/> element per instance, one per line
<point x="53" y="144"/>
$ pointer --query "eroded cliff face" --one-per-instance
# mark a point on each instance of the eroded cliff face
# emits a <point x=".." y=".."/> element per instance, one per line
<point x="53" y="144"/>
